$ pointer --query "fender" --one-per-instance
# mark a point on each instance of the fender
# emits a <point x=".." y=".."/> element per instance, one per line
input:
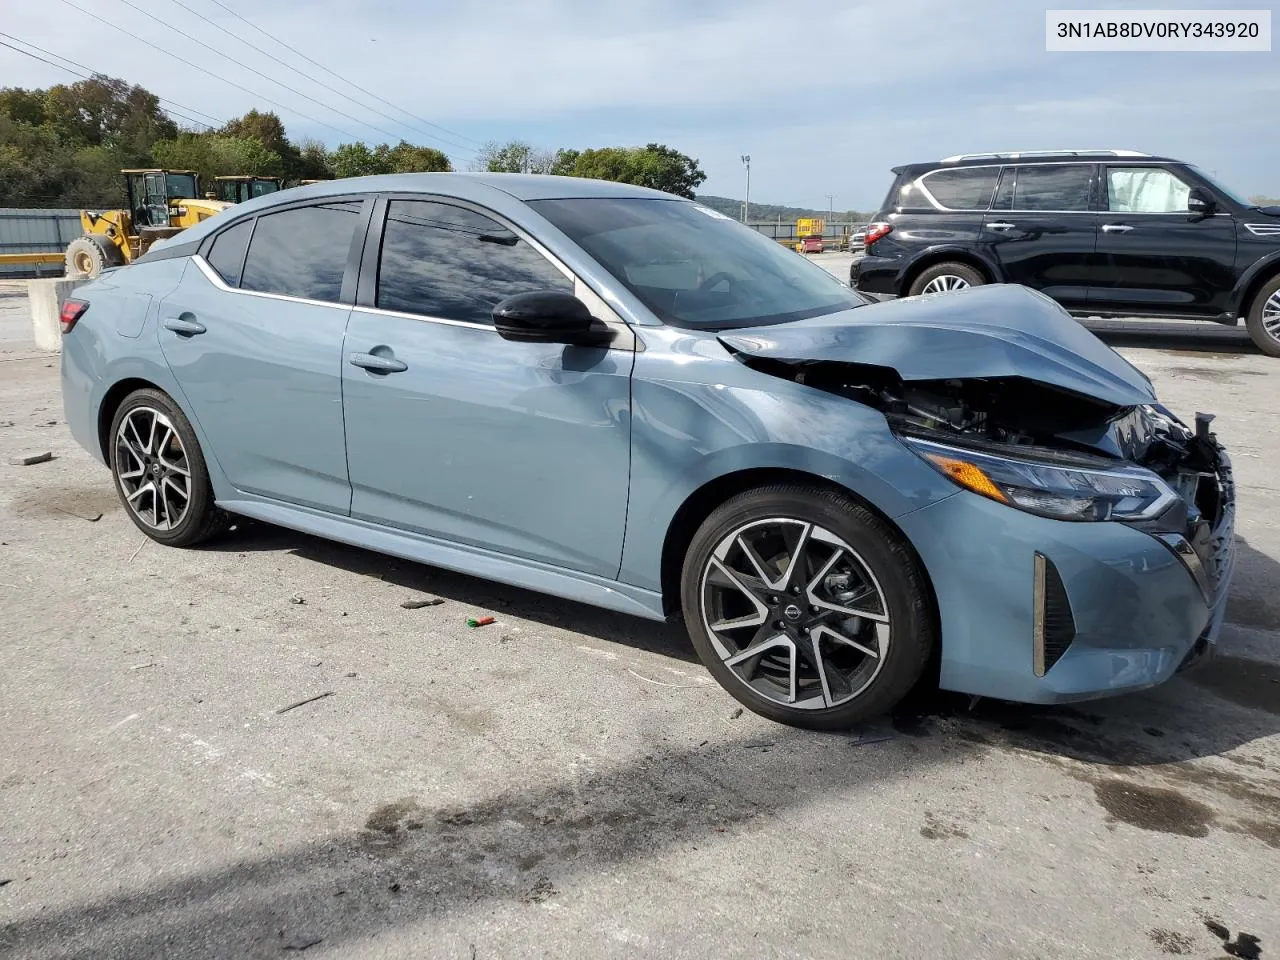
<point x="1262" y="266"/>
<point x="934" y="251"/>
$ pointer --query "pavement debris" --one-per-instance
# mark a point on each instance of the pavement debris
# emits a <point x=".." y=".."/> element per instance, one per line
<point x="735" y="713"/>
<point x="419" y="604"/>
<point x="297" y="599"/>
<point x="31" y="459"/>
<point x="303" y="703"/>
<point x="480" y="621"/>
<point x="303" y="944"/>
<point x="93" y="519"/>
<point x="142" y="666"/>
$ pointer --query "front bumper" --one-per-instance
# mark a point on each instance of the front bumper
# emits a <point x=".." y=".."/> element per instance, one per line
<point x="1138" y="612"/>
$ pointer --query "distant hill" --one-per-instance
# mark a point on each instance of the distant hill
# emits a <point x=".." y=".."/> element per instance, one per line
<point x="776" y="212"/>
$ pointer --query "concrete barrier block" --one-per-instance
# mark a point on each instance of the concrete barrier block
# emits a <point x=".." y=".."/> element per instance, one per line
<point x="46" y="298"/>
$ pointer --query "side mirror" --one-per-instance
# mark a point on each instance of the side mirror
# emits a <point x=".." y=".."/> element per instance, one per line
<point x="548" y="316"/>
<point x="1200" y="202"/>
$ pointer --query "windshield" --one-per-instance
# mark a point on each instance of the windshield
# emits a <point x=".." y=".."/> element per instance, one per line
<point x="694" y="267"/>
<point x="1229" y="194"/>
<point x="181" y="185"/>
<point x="262" y="187"/>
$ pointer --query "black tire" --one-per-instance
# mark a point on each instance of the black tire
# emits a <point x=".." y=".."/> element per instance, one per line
<point x="895" y="573"/>
<point x="88" y="256"/>
<point x="200" y="519"/>
<point x="940" y="271"/>
<point x="1266" y="341"/>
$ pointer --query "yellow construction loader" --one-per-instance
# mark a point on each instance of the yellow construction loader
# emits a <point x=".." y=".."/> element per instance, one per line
<point x="161" y="204"/>
<point x="238" y="189"/>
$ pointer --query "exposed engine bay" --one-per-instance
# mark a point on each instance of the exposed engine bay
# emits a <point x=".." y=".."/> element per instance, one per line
<point x="1037" y="419"/>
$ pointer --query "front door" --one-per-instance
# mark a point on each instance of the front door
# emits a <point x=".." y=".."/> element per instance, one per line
<point x="1041" y="231"/>
<point x="454" y="432"/>
<point x="255" y="344"/>
<point x="1155" y="257"/>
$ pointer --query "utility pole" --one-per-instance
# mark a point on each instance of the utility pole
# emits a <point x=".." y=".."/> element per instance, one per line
<point x="829" y="199"/>
<point x="746" y="202"/>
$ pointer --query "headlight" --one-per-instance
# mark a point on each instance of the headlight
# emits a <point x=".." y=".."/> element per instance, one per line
<point x="1061" y="490"/>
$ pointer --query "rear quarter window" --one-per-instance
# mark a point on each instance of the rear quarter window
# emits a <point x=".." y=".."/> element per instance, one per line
<point x="302" y="252"/>
<point x="226" y="256"/>
<point x="965" y="188"/>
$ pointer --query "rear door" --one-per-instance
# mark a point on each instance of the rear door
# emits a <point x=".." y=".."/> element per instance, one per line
<point x="1041" y="230"/>
<point x="1155" y="257"/>
<point x="255" y="343"/>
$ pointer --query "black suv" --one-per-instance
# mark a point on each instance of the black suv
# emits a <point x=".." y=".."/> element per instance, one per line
<point x="1103" y="232"/>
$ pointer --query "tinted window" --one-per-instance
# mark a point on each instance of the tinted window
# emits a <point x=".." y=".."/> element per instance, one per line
<point x="697" y="268"/>
<point x="444" y="261"/>
<point x="1145" y="190"/>
<point x="226" y="256"/>
<point x="962" y="189"/>
<point x="1053" y="187"/>
<point x="302" y="252"/>
<point x="1004" y="195"/>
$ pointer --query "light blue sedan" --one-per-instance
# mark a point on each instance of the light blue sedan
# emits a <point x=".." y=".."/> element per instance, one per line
<point x="621" y="397"/>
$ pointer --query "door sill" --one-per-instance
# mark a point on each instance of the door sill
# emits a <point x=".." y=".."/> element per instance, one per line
<point x="527" y="574"/>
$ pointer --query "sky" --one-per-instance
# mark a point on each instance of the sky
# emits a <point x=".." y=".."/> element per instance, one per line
<point x="824" y="96"/>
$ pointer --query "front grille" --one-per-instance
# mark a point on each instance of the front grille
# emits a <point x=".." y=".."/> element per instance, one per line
<point x="1053" y="626"/>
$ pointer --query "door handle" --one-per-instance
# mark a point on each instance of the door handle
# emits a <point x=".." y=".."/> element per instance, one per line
<point x="1116" y="228"/>
<point x="1000" y="226"/>
<point x="183" y="326"/>
<point x="376" y="364"/>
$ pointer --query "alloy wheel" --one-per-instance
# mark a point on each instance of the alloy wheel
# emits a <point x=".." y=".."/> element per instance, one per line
<point x="1271" y="316"/>
<point x="152" y="468"/>
<point x="945" y="283"/>
<point x="795" y="613"/>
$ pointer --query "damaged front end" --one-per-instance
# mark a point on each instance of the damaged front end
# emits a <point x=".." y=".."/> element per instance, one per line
<point x="1042" y="446"/>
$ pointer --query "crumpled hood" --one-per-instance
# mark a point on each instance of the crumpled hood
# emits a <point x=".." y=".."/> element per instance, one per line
<point x="984" y="332"/>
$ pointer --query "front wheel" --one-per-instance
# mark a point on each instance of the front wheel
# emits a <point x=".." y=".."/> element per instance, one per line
<point x="945" y="278"/>
<point x="160" y="471"/>
<point x="807" y="607"/>
<point x="1263" y="319"/>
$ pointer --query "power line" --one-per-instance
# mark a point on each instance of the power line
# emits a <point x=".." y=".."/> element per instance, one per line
<point x="90" y="75"/>
<point x="318" y="81"/>
<point x="208" y="72"/>
<point x="244" y="66"/>
<point x="367" y="93"/>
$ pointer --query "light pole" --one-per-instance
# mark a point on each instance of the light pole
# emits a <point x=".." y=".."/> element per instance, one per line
<point x="746" y="201"/>
<point x="829" y="199"/>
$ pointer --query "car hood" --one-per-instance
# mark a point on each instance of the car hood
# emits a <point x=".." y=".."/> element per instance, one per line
<point x="987" y="332"/>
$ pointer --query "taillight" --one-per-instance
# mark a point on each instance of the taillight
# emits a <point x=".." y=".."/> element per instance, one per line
<point x="71" y="311"/>
<point x="875" y="231"/>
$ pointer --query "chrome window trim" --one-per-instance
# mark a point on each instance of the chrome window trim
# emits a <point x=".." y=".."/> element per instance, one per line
<point x="213" y="277"/>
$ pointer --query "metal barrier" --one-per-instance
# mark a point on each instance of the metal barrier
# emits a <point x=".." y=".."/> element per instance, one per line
<point x="33" y="242"/>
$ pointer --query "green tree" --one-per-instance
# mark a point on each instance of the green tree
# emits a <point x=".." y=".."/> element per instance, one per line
<point x="106" y="111"/>
<point x="514" y="156"/>
<point x="404" y="157"/>
<point x="357" y="160"/>
<point x="216" y="155"/>
<point x="656" y="166"/>
<point x="313" y="161"/>
<point x="23" y="106"/>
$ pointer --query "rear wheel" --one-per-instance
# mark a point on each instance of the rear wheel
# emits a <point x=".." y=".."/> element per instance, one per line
<point x="806" y="607"/>
<point x="88" y="256"/>
<point x="945" y="278"/>
<point x="1263" y="319"/>
<point x="160" y="472"/>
